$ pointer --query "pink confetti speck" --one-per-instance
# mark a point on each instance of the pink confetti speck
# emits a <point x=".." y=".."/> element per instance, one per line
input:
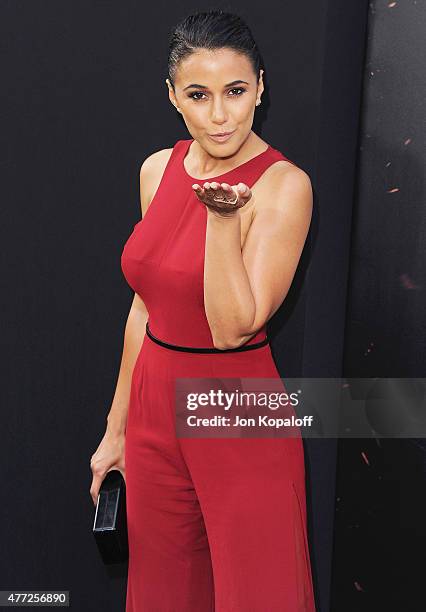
<point x="364" y="456"/>
<point x="406" y="142"/>
<point x="368" y="349"/>
<point x="358" y="586"/>
<point x="393" y="190"/>
<point x="391" y="4"/>
<point x="407" y="283"/>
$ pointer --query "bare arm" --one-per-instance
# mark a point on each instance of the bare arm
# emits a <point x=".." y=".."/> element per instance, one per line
<point x="244" y="288"/>
<point x="133" y="337"/>
<point x="111" y="450"/>
<point x="134" y="332"/>
<point x="149" y="178"/>
<point x="110" y="453"/>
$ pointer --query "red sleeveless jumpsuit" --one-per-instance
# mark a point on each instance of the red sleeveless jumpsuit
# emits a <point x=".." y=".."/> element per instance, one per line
<point x="214" y="524"/>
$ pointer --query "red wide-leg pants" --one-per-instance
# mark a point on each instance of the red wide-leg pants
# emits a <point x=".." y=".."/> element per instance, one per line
<point x="214" y="524"/>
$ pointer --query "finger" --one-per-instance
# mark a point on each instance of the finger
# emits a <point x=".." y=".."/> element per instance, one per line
<point x="244" y="191"/>
<point x="214" y="185"/>
<point x="94" y="489"/>
<point x="199" y="191"/>
<point x="206" y="185"/>
<point x="226" y="187"/>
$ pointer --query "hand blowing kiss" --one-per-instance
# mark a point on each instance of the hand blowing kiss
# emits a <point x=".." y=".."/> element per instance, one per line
<point x="222" y="198"/>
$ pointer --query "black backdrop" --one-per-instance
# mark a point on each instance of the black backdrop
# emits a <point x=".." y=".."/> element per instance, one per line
<point x="83" y="103"/>
<point x="380" y="534"/>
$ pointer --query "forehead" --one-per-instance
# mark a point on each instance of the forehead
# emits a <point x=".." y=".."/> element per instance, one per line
<point x="214" y="66"/>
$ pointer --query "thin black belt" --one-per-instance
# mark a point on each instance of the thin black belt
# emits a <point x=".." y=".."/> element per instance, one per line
<point x="191" y="349"/>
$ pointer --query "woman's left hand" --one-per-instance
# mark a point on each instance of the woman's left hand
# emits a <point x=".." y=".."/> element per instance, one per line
<point x="223" y="198"/>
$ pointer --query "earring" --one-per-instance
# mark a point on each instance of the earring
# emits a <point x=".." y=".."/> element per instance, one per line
<point x="258" y="102"/>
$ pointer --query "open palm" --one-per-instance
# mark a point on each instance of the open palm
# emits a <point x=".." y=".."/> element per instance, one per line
<point x="223" y="198"/>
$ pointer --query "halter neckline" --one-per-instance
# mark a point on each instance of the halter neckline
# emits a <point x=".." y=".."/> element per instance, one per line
<point x="213" y="178"/>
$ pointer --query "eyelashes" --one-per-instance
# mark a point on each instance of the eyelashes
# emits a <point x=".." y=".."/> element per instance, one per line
<point x="241" y="89"/>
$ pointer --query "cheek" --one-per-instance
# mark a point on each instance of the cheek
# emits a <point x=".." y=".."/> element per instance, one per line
<point x="196" y="115"/>
<point x="245" y="109"/>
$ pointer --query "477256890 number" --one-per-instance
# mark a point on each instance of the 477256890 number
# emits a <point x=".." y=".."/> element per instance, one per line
<point x="34" y="598"/>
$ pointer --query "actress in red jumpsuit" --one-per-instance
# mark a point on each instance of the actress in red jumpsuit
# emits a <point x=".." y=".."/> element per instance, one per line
<point x="214" y="524"/>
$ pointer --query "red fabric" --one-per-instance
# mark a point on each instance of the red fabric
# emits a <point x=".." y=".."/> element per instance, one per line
<point x="214" y="524"/>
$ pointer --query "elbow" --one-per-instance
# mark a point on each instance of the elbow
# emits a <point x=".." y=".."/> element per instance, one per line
<point x="233" y="338"/>
<point x="234" y="341"/>
<point x="224" y="344"/>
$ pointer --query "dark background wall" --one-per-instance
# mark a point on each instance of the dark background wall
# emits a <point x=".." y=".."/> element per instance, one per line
<point x="83" y="103"/>
<point x="380" y="537"/>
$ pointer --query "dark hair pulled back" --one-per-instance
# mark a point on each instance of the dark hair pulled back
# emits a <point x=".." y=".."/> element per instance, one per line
<point x="214" y="29"/>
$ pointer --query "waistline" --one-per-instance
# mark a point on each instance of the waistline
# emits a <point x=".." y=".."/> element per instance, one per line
<point x="192" y="349"/>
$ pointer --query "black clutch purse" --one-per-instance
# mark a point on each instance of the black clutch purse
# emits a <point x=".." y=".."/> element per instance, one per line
<point x="110" y="524"/>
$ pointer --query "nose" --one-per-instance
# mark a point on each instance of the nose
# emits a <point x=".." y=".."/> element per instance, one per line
<point x="218" y="114"/>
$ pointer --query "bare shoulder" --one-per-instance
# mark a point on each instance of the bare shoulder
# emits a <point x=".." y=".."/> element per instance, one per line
<point x="282" y="186"/>
<point x="150" y="175"/>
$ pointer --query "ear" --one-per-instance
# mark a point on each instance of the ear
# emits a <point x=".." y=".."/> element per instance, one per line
<point x="172" y="96"/>
<point x="260" y="87"/>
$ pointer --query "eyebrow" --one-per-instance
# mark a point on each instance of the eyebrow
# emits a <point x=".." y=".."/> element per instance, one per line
<point x="205" y="86"/>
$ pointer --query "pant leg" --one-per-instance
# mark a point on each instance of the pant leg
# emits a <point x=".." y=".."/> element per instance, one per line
<point x="251" y="493"/>
<point x="169" y="558"/>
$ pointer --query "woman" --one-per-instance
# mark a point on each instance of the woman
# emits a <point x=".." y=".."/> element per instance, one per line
<point x="213" y="523"/>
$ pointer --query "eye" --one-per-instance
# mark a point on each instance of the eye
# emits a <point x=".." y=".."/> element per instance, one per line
<point x="192" y="95"/>
<point x="240" y="89"/>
